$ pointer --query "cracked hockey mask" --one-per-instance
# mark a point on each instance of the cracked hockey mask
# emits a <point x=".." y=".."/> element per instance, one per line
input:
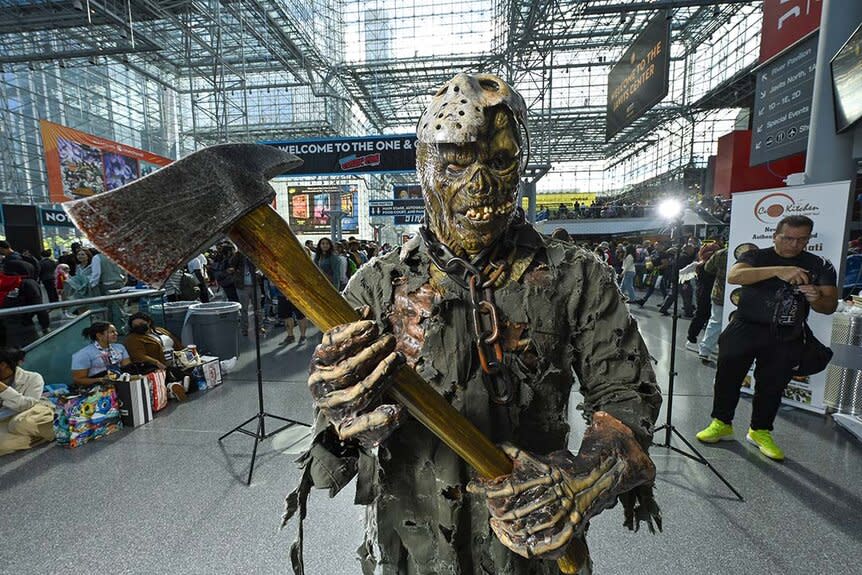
<point x="469" y="160"/>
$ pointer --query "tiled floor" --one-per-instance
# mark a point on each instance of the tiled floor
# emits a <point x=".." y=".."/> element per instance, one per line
<point x="168" y="498"/>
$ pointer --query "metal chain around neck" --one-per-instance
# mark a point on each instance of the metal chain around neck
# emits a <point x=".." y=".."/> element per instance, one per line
<point x="486" y="327"/>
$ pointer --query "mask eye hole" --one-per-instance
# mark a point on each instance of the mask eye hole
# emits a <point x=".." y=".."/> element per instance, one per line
<point x="500" y="161"/>
<point x="457" y="158"/>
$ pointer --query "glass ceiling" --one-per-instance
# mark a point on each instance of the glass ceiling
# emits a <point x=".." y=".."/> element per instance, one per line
<point x="262" y="69"/>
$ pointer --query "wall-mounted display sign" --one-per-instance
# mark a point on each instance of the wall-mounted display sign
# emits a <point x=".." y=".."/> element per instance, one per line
<point x="639" y="80"/>
<point x="782" y="103"/>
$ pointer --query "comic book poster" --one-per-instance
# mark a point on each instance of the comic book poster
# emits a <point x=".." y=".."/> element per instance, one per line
<point x="80" y="164"/>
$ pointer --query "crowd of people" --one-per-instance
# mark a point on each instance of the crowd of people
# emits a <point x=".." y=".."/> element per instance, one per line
<point x="223" y="272"/>
<point x="779" y="286"/>
<point x="599" y="208"/>
<point x="630" y="207"/>
<point x="78" y="273"/>
<point x="649" y="266"/>
<point x="644" y="265"/>
<point x="226" y="270"/>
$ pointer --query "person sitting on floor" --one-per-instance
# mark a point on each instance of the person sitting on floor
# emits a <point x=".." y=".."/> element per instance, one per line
<point x="152" y="348"/>
<point x="92" y="364"/>
<point x="25" y="419"/>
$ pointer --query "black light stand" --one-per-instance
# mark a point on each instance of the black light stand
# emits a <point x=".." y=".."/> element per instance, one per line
<point x="669" y="428"/>
<point x="260" y="434"/>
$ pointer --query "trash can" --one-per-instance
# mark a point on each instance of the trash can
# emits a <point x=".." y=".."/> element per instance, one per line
<point x="175" y="315"/>
<point x="843" y="392"/>
<point x="214" y="328"/>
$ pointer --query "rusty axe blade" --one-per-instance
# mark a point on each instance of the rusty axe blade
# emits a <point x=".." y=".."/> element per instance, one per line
<point x="154" y="225"/>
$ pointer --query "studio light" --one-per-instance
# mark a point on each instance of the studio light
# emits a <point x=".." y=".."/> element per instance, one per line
<point x="670" y="209"/>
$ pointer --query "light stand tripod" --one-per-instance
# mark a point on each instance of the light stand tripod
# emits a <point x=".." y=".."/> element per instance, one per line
<point x="669" y="427"/>
<point x="260" y="434"/>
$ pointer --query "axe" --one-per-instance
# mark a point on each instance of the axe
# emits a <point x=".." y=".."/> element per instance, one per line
<point x="153" y="225"/>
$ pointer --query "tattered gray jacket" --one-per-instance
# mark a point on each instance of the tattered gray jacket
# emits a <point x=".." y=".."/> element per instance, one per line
<point x="566" y="305"/>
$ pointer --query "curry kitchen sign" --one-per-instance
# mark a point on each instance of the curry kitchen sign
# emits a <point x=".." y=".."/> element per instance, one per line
<point x="754" y="218"/>
<point x="773" y="207"/>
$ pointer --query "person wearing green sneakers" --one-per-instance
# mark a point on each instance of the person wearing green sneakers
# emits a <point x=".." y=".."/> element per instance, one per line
<point x="780" y="285"/>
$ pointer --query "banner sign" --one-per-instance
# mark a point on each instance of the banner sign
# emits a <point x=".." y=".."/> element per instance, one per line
<point x="553" y="200"/>
<point x="754" y="217"/>
<point x="404" y="192"/>
<point x="310" y="208"/>
<point x="782" y="104"/>
<point x="410" y="207"/>
<point x="59" y="218"/>
<point x="80" y="164"/>
<point x="785" y="22"/>
<point x="338" y="156"/>
<point x="639" y="80"/>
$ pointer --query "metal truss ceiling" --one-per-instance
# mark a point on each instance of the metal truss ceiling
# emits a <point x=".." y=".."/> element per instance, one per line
<point x="356" y="58"/>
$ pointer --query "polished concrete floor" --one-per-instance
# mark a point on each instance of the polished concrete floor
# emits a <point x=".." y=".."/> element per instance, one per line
<point x="169" y="498"/>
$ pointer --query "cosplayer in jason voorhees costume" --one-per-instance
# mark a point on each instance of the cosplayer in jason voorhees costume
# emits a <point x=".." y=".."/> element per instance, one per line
<point x="544" y="308"/>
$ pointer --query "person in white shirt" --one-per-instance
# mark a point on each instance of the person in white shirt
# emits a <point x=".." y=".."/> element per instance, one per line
<point x="26" y="420"/>
<point x="198" y="267"/>
<point x="628" y="272"/>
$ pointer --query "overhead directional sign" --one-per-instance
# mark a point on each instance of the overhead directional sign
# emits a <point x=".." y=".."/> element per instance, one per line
<point x="408" y="208"/>
<point x="782" y="103"/>
<point x="640" y="79"/>
<point x="401" y="192"/>
<point x="339" y="156"/>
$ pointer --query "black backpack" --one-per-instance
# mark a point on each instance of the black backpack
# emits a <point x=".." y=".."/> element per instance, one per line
<point x="189" y="289"/>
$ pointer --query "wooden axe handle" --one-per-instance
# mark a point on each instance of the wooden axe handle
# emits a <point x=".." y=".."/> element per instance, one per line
<point x="267" y="240"/>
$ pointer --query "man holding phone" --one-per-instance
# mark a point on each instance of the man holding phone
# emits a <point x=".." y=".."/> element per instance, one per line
<point x="780" y="285"/>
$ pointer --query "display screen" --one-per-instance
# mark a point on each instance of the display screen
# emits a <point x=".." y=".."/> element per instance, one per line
<point x="847" y="82"/>
<point x="310" y="208"/>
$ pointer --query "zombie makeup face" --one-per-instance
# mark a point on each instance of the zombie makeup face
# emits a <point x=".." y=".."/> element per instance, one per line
<point x="469" y="159"/>
<point x="470" y="189"/>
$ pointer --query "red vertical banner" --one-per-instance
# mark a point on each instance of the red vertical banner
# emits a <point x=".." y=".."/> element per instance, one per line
<point x="785" y="22"/>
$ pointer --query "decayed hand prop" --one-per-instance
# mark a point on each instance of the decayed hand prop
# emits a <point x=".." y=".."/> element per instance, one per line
<point x="349" y="371"/>
<point x="547" y="500"/>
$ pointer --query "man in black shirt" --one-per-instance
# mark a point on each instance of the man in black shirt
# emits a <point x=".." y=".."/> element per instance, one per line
<point x="780" y="285"/>
<point x="47" y="271"/>
<point x="20" y="330"/>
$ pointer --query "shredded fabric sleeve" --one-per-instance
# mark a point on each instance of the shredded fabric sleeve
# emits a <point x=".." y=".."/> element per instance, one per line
<point x="611" y="359"/>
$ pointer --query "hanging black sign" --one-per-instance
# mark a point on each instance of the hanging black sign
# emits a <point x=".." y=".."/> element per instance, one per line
<point x="59" y="218"/>
<point x="639" y="80"/>
<point x="340" y="156"/>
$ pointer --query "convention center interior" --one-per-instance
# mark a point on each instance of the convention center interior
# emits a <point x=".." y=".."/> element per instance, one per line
<point x="431" y="287"/>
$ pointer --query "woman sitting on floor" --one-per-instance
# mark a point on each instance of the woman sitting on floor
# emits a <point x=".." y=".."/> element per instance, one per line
<point x="92" y="363"/>
<point x="25" y="419"/>
<point x="152" y="348"/>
